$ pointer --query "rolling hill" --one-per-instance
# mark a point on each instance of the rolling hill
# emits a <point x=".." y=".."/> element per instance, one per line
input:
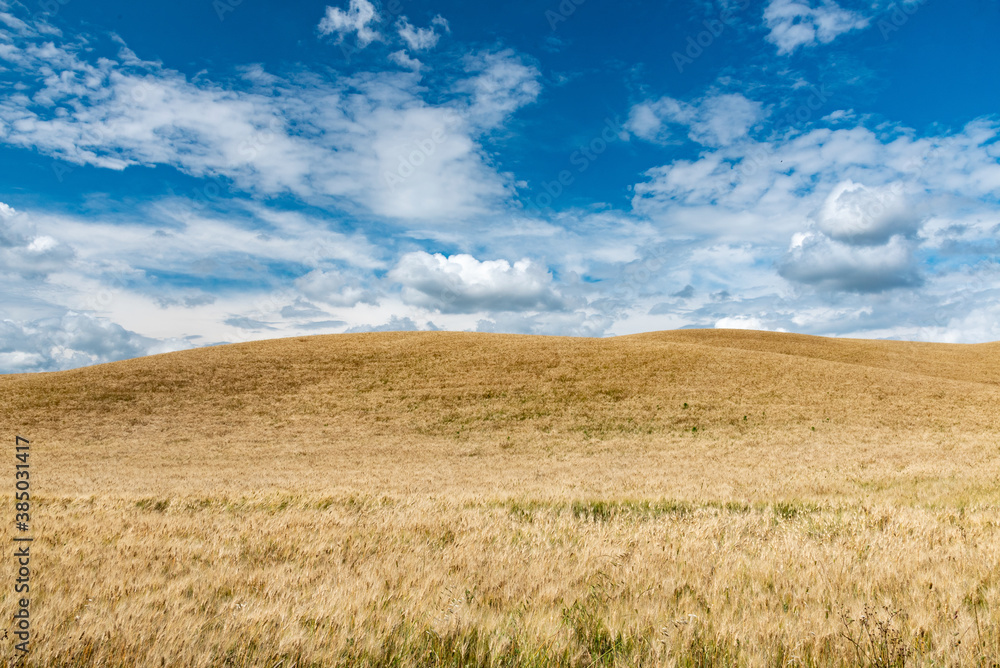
<point x="505" y="396"/>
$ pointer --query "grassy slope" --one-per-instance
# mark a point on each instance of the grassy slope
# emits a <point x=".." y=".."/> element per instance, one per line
<point x="430" y="395"/>
<point x="815" y="432"/>
<point x="424" y="384"/>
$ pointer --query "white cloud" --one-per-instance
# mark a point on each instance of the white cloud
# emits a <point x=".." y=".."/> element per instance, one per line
<point x="25" y="253"/>
<point x="190" y="241"/>
<point x="723" y="119"/>
<point x="42" y="244"/>
<point x="833" y="266"/>
<point x="369" y="140"/>
<point x="463" y="284"/>
<point x="798" y="23"/>
<point x="420" y="39"/>
<point x="13" y="22"/>
<point x="334" y="288"/>
<point x="884" y="224"/>
<point x="856" y="214"/>
<point x="402" y="59"/>
<point x="648" y="120"/>
<point x="358" y="18"/>
<point x="716" y="120"/>
<point x="502" y="82"/>
<point x="427" y="166"/>
<point x="221" y="268"/>
<point x="71" y="341"/>
<point x="644" y="121"/>
<point x="395" y="324"/>
<point x="765" y="192"/>
<point x="551" y="323"/>
<point x="744" y="322"/>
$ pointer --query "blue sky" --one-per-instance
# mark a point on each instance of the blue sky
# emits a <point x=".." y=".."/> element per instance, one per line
<point x="182" y="174"/>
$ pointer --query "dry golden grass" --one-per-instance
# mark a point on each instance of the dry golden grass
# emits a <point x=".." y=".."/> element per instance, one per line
<point x="675" y="498"/>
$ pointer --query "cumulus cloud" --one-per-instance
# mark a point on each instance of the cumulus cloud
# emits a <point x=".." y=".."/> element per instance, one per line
<point x="830" y="265"/>
<point x="765" y="191"/>
<point x="463" y="284"/>
<point x="716" y="120"/>
<point x="856" y="214"/>
<point x="799" y="23"/>
<point x="882" y="221"/>
<point x="359" y="18"/>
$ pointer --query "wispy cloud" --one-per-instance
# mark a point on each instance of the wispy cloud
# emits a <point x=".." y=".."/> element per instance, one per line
<point x="370" y="140"/>
<point x="800" y="23"/>
<point x="421" y="39"/>
<point x="500" y="83"/>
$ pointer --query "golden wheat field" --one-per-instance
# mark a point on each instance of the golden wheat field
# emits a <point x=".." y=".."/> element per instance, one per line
<point x="691" y="498"/>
